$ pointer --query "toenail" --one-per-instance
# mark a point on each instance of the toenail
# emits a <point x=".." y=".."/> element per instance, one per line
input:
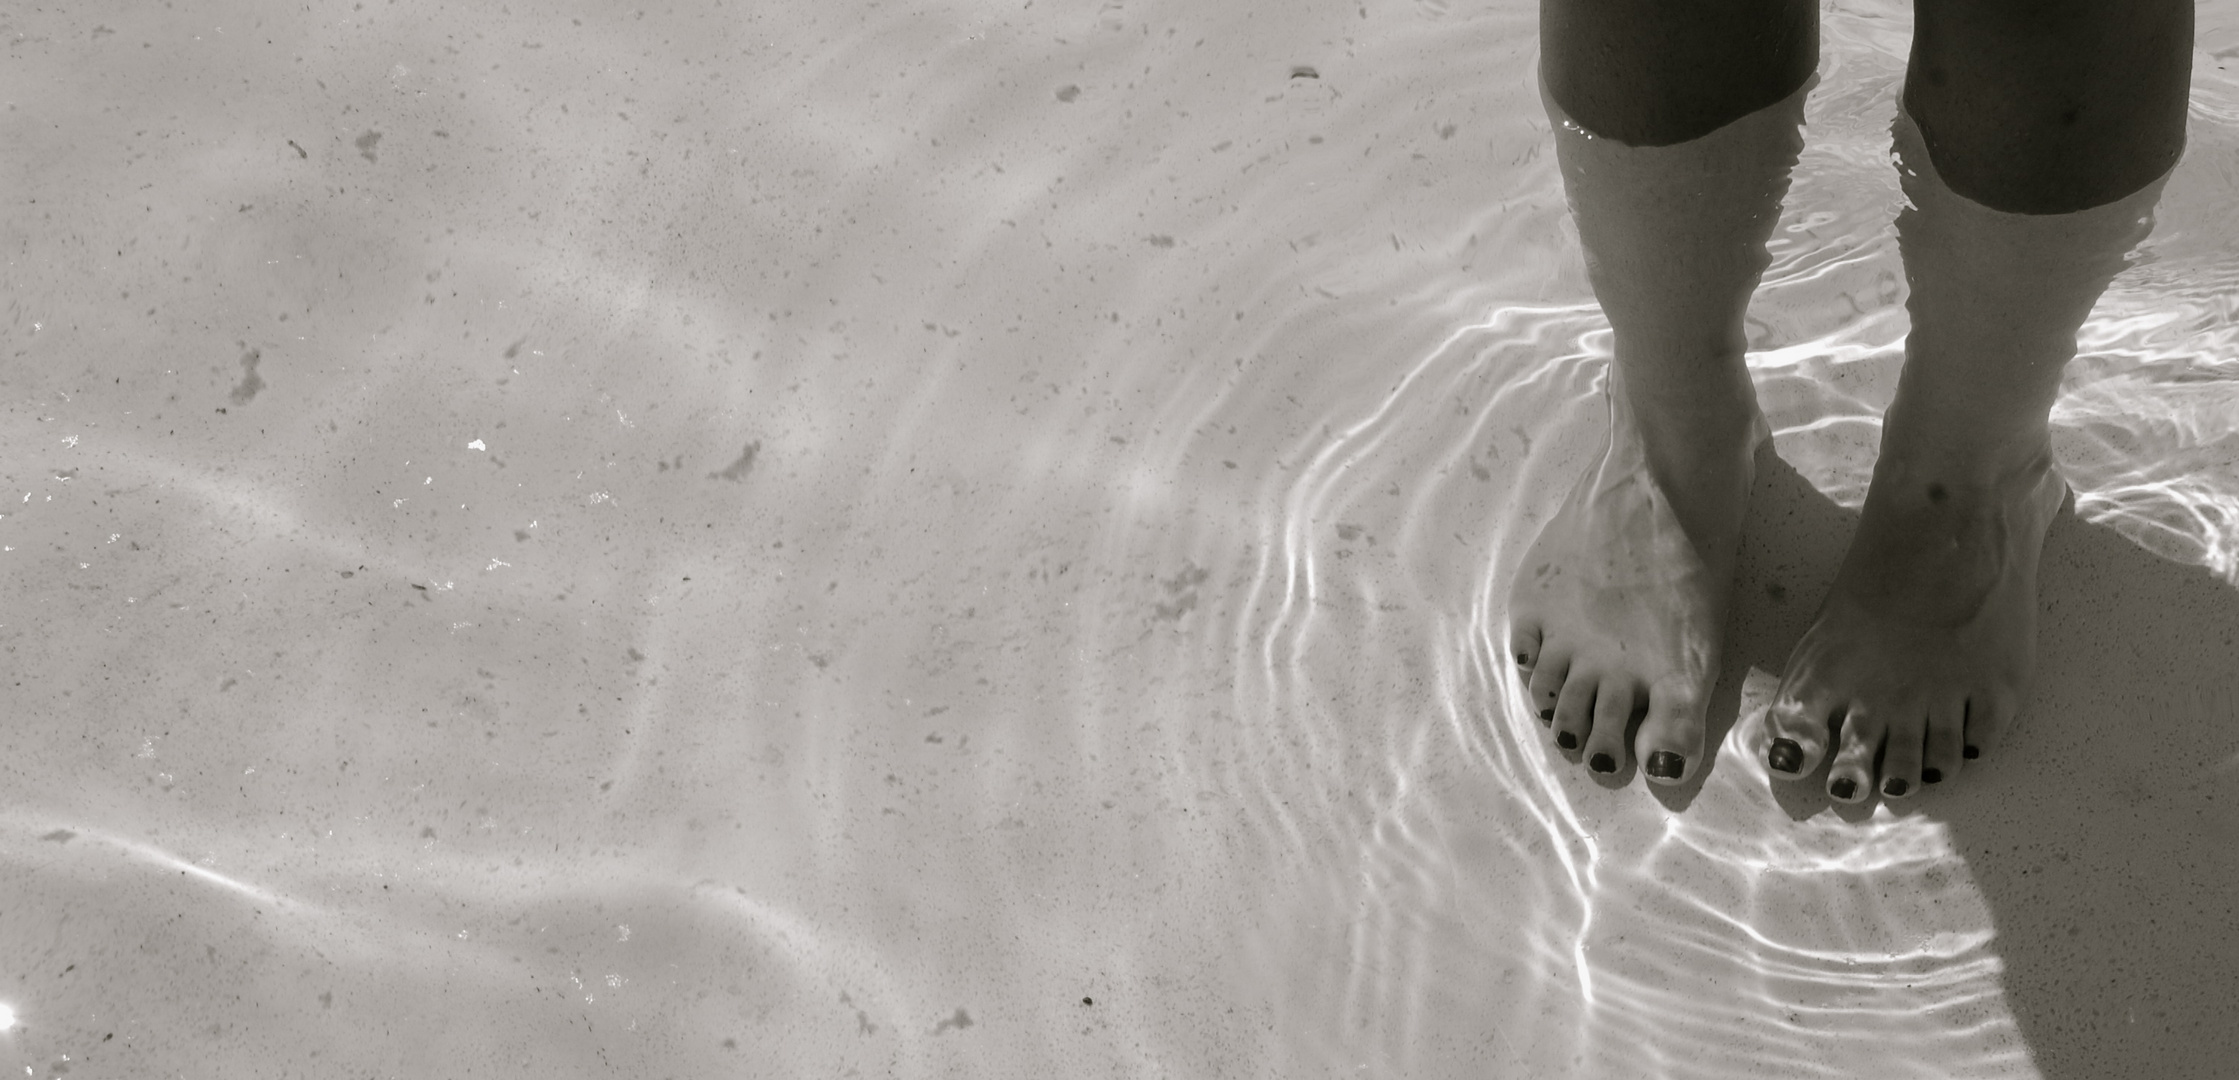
<point x="1894" y="787"/>
<point x="1603" y="763"/>
<point x="1665" y="765"/>
<point x="1973" y="753"/>
<point x="1546" y="715"/>
<point x="1566" y="740"/>
<point x="1843" y="788"/>
<point x="1521" y="659"/>
<point x="1785" y="756"/>
<point x="1931" y="776"/>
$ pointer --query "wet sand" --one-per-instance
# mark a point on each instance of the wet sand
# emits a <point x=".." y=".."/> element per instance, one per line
<point x="956" y="541"/>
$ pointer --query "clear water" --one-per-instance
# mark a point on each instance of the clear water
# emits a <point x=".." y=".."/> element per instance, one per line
<point x="965" y="539"/>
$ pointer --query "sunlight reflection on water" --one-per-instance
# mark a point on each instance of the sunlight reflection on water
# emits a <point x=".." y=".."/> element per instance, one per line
<point x="934" y="542"/>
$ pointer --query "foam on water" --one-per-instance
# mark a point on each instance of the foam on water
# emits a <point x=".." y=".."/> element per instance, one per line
<point x="968" y="540"/>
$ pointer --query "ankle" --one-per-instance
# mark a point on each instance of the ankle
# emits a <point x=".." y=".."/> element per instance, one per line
<point x="1963" y="440"/>
<point x="1972" y="470"/>
<point x="1713" y="407"/>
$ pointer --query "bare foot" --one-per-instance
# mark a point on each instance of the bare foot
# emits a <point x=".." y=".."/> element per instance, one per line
<point x="1925" y="646"/>
<point x="1617" y="609"/>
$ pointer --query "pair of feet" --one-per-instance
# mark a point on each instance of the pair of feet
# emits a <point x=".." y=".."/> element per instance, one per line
<point x="1912" y="667"/>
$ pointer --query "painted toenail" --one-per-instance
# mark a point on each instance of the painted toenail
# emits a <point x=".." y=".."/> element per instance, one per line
<point x="1931" y="776"/>
<point x="1973" y="753"/>
<point x="1785" y="756"/>
<point x="1843" y="788"/>
<point x="1566" y="740"/>
<point x="1521" y="659"/>
<point x="1603" y="763"/>
<point x="1894" y="787"/>
<point x="1665" y="765"/>
<point x="1546" y="715"/>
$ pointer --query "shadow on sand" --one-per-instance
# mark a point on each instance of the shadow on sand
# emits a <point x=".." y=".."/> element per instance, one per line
<point x="2104" y="832"/>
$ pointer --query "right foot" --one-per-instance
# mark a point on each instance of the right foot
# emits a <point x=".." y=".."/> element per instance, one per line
<point x="1617" y="608"/>
<point x="1925" y="646"/>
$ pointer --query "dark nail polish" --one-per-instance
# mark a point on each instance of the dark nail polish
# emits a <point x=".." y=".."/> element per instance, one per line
<point x="1931" y="776"/>
<point x="1843" y="788"/>
<point x="1785" y="756"/>
<point x="1546" y="715"/>
<point x="1566" y="740"/>
<point x="1973" y="753"/>
<point x="1665" y="765"/>
<point x="1894" y="787"/>
<point x="1521" y="659"/>
<point x="1602" y="763"/>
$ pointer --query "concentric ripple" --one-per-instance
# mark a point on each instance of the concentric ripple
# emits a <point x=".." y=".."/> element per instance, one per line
<point x="951" y="539"/>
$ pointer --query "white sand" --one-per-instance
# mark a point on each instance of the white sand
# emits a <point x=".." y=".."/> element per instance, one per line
<point x="961" y="540"/>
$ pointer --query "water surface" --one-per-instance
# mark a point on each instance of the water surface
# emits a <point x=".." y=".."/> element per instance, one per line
<point x="966" y="539"/>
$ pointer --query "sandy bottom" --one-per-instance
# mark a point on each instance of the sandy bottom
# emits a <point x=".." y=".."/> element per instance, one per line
<point x="962" y="539"/>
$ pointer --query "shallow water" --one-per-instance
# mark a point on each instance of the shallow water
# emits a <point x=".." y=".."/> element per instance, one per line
<point x="966" y="540"/>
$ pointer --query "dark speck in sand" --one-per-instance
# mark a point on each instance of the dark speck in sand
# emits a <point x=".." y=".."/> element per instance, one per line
<point x="246" y="390"/>
<point x="1303" y="71"/>
<point x="366" y="143"/>
<point x="60" y="836"/>
<point x="737" y="470"/>
<point x="1162" y="241"/>
<point x="1068" y="93"/>
<point x="960" y="1021"/>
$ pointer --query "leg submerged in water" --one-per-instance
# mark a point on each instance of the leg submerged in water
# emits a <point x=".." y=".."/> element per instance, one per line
<point x="2031" y="162"/>
<point x="1618" y="605"/>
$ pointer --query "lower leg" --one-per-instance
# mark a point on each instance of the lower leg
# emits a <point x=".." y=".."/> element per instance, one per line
<point x="2051" y="106"/>
<point x="2031" y="173"/>
<point x="2059" y="116"/>
<point x="1677" y="127"/>
<point x="1654" y="73"/>
<point x="1674" y="162"/>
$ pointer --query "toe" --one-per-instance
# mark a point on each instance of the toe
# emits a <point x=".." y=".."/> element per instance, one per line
<point x="1942" y="752"/>
<point x="1798" y="726"/>
<point x="1613" y="710"/>
<point x="1851" y="777"/>
<point x="1523" y="644"/>
<point x="1546" y="683"/>
<point x="1900" y="753"/>
<point x="1670" y="741"/>
<point x="1574" y="711"/>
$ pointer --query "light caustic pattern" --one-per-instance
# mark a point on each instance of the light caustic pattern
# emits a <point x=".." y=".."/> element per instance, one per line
<point x="1485" y="879"/>
<point x="926" y="540"/>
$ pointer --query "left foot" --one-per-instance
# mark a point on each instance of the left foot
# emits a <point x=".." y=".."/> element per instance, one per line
<point x="1926" y="644"/>
<point x="1618" y="605"/>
